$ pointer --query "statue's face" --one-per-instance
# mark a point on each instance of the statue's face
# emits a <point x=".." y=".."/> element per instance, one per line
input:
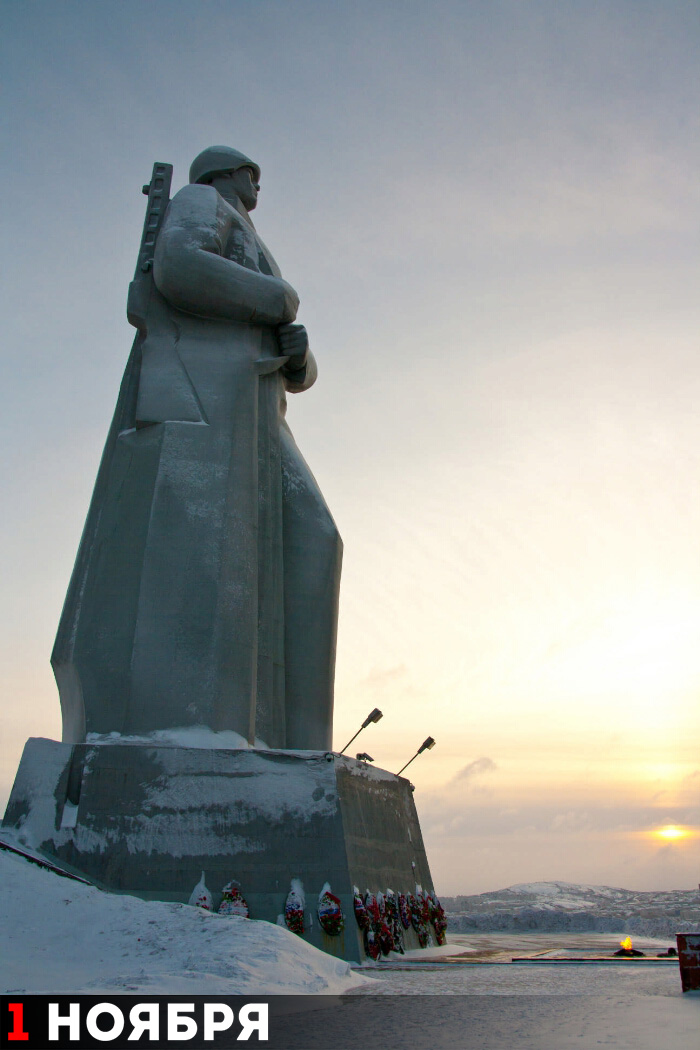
<point x="242" y="182"/>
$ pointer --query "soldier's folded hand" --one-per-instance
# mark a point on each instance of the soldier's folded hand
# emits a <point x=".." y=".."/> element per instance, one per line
<point x="293" y="343"/>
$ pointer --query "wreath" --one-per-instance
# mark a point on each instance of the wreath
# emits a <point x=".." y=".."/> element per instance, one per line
<point x="423" y="934"/>
<point x="330" y="913"/>
<point x="385" y="938"/>
<point x="404" y="911"/>
<point x="233" y="902"/>
<point x="372" y="945"/>
<point x="415" y="907"/>
<point x="294" y="909"/>
<point x="200" y="896"/>
<point x="438" y="919"/>
<point x="372" y="908"/>
<point x="397" y="931"/>
<point x="391" y="907"/>
<point x="361" y="913"/>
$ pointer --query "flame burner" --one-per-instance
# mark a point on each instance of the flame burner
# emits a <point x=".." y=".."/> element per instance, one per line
<point x="626" y="950"/>
<point x="557" y="957"/>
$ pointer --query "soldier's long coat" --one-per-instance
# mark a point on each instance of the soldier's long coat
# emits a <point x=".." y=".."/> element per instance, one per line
<point x="206" y="585"/>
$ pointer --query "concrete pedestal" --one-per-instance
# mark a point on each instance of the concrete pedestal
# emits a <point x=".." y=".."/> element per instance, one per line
<point x="148" y="819"/>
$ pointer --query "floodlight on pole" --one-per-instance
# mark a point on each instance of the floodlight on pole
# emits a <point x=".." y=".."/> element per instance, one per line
<point x="373" y="716"/>
<point x="427" y="744"/>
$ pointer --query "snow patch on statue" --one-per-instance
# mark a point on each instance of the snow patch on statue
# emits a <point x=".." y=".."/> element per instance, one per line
<point x="199" y="736"/>
<point x="363" y="769"/>
<point x="267" y="790"/>
<point x="200" y="896"/>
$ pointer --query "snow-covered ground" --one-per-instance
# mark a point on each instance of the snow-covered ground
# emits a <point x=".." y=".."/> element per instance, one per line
<point x="563" y="906"/>
<point x="59" y="935"/>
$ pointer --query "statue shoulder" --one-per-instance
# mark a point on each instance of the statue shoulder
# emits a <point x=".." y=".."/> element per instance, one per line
<point x="194" y="205"/>
<point x="197" y="217"/>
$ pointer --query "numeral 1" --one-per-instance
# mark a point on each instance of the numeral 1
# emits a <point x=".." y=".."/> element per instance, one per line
<point x="17" y="1031"/>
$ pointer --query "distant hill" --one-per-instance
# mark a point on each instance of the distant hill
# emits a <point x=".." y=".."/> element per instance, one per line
<point x="565" y="906"/>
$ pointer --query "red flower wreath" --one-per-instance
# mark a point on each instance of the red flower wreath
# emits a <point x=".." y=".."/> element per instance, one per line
<point x="397" y="931"/>
<point x="330" y="913"/>
<point x="372" y="945"/>
<point x="385" y="938"/>
<point x="361" y="913"/>
<point x="415" y="908"/>
<point x="233" y="902"/>
<point x="372" y="908"/>
<point x="437" y="917"/>
<point x="294" y="910"/>
<point x="404" y="911"/>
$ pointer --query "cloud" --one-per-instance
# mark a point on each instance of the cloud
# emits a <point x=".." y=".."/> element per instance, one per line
<point x="449" y="814"/>
<point x="475" y="769"/>
<point x="573" y="822"/>
<point x="379" y="677"/>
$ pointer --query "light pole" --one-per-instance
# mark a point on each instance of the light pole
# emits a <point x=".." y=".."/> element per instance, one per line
<point x="427" y="744"/>
<point x="373" y="716"/>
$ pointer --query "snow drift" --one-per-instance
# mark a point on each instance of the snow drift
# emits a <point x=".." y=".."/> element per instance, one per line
<point x="60" y="935"/>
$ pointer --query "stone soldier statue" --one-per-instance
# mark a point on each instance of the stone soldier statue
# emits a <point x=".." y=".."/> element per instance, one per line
<point x="205" y="590"/>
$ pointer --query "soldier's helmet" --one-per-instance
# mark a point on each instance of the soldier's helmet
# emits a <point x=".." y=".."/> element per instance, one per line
<point x="218" y="160"/>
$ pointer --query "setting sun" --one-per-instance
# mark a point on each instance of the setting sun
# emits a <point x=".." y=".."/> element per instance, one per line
<point x="671" y="833"/>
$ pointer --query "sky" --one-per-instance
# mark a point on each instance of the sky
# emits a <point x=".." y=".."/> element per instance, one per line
<point x="490" y="213"/>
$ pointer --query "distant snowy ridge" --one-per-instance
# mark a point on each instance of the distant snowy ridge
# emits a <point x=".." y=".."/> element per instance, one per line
<point x="559" y="907"/>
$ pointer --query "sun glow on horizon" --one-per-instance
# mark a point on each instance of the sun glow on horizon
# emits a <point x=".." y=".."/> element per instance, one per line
<point x="671" y="833"/>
